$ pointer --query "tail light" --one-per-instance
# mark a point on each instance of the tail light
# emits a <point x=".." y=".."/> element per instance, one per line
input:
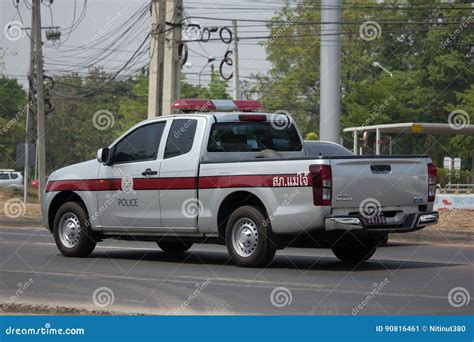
<point x="322" y="184"/>
<point x="431" y="182"/>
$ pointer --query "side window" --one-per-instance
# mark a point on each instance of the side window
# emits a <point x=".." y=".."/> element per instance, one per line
<point x="14" y="176"/>
<point x="180" y="138"/>
<point x="140" y="145"/>
<point x="4" y="176"/>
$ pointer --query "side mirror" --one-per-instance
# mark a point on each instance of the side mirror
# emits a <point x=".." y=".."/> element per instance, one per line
<point x="103" y="155"/>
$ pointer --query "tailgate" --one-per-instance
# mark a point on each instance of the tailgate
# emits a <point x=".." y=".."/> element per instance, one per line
<point x="401" y="181"/>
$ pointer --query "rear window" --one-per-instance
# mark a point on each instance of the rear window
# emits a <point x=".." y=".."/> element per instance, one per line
<point x="252" y="137"/>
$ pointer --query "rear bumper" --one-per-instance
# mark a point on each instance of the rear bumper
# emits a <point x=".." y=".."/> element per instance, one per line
<point x="411" y="223"/>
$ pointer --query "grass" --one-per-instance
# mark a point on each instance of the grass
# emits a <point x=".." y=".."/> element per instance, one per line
<point x="7" y="193"/>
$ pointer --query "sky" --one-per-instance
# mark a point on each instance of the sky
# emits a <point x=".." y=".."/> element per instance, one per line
<point x="104" y="17"/>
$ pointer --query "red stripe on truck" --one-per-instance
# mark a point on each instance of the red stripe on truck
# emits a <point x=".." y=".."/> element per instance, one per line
<point x="177" y="183"/>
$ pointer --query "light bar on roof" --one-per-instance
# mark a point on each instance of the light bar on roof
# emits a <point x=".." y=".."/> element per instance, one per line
<point x="193" y="105"/>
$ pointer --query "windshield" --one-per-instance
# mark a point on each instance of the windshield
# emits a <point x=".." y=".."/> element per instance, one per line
<point x="252" y="137"/>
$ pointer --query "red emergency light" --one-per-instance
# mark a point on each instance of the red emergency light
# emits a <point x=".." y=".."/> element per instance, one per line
<point x="193" y="105"/>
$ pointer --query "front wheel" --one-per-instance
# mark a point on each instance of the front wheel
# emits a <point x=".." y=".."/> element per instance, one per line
<point x="174" y="247"/>
<point x="354" y="250"/>
<point x="248" y="238"/>
<point x="72" y="232"/>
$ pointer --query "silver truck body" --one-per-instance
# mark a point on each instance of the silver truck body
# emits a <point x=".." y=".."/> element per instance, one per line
<point x="187" y="194"/>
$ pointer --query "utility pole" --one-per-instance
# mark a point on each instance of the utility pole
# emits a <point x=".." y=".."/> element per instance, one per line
<point x="330" y="71"/>
<point x="36" y="32"/>
<point x="155" y="75"/>
<point x="29" y="112"/>
<point x="235" y="62"/>
<point x="172" y="63"/>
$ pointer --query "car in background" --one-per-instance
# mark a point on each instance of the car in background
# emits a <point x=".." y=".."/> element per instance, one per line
<point x="10" y="178"/>
<point x="316" y="148"/>
<point x="35" y="183"/>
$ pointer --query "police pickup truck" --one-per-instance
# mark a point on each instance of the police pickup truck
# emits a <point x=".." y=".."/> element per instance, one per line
<point x="219" y="172"/>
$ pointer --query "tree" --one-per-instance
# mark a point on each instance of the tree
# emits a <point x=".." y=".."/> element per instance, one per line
<point x="431" y="63"/>
<point x="217" y="88"/>
<point x="12" y="120"/>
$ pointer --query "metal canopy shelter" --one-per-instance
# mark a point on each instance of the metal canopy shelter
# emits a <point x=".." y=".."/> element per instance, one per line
<point x="409" y="128"/>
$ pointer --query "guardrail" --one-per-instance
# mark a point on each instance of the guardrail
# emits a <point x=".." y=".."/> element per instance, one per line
<point x="457" y="189"/>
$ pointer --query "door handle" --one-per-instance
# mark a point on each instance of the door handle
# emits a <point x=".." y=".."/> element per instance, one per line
<point x="149" y="172"/>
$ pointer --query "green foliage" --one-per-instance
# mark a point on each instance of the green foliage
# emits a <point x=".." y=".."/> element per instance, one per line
<point x="73" y="133"/>
<point x="311" y="136"/>
<point x="444" y="176"/>
<point x="431" y="65"/>
<point x="217" y="89"/>
<point x="12" y="120"/>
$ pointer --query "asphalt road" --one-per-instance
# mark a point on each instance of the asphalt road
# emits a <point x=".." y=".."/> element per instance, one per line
<point x="401" y="279"/>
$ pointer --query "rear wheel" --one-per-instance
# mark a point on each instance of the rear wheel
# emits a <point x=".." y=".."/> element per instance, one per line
<point x="174" y="247"/>
<point x="248" y="238"/>
<point x="354" y="250"/>
<point x="72" y="232"/>
<point x="383" y="240"/>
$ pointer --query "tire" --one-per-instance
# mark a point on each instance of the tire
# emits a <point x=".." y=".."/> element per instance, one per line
<point x="174" y="247"/>
<point x="383" y="240"/>
<point x="354" y="250"/>
<point x="72" y="232"/>
<point x="248" y="238"/>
